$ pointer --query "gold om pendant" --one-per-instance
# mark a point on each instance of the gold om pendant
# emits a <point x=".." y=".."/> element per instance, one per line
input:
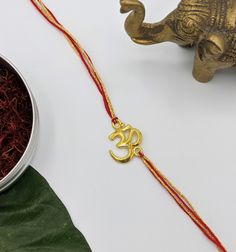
<point x="130" y="140"/>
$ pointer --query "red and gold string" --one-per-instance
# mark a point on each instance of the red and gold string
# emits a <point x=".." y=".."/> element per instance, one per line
<point x="179" y="198"/>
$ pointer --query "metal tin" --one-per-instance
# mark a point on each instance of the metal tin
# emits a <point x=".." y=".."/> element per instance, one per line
<point x="24" y="162"/>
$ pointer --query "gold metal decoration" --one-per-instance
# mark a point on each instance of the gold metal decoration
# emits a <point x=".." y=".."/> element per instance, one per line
<point x="130" y="140"/>
<point x="208" y="25"/>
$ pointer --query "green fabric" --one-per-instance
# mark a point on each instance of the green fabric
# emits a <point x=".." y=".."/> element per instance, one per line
<point x="32" y="218"/>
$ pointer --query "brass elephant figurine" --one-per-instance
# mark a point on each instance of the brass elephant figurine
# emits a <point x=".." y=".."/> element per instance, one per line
<point x="208" y="25"/>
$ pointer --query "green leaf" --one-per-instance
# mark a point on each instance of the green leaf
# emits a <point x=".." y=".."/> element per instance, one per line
<point x="32" y="218"/>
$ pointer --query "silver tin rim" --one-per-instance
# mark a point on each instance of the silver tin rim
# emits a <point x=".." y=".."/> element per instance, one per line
<point x="26" y="158"/>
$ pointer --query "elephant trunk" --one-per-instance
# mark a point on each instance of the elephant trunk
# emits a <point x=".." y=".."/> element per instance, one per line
<point x="134" y="21"/>
<point x="145" y="33"/>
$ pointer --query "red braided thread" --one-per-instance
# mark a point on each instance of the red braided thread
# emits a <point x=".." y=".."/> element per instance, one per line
<point x="114" y="120"/>
<point x="205" y="229"/>
<point x="199" y="222"/>
<point x="96" y="80"/>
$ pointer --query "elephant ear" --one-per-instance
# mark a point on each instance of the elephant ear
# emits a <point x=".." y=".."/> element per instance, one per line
<point x="211" y="46"/>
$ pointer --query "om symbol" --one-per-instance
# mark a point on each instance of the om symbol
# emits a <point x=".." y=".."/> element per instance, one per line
<point x="130" y="139"/>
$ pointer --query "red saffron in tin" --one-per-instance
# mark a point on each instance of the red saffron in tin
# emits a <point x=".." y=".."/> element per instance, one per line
<point x="16" y="118"/>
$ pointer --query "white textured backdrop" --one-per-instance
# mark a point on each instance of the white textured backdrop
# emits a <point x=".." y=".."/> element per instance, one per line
<point x="189" y="128"/>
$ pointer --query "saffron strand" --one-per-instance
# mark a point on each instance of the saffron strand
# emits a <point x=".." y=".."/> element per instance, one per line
<point x="179" y="198"/>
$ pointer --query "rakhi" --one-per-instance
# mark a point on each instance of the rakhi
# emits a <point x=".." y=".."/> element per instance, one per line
<point x="130" y="138"/>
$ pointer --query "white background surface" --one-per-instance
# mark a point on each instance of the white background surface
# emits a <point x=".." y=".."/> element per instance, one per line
<point x="188" y="127"/>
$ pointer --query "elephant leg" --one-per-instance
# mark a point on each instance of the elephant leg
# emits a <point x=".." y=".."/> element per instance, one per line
<point x="202" y="71"/>
<point x="209" y="50"/>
